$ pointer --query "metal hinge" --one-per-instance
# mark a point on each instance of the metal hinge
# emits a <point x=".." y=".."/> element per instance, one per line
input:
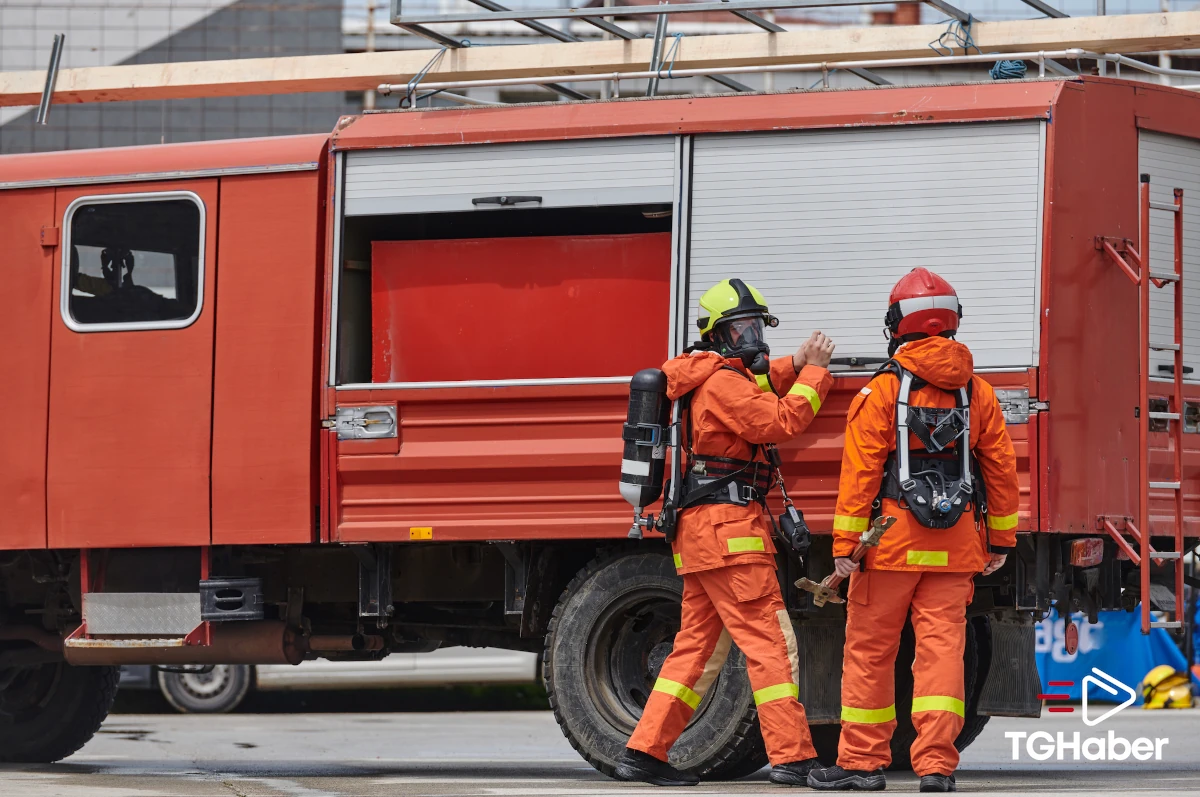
<point x="363" y="423"/>
<point x="1016" y="405"/>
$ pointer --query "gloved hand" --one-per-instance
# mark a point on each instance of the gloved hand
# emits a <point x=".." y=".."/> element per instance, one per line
<point x="843" y="566"/>
<point x="995" y="562"/>
<point x="817" y="350"/>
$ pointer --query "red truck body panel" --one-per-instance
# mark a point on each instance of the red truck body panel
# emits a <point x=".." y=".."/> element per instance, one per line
<point x="725" y="114"/>
<point x="130" y="425"/>
<point x="264" y="455"/>
<point x="25" y="306"/>
<point x="518" y="308"/>
<point x="164" y="161"/>
<point x="503" y="462"/>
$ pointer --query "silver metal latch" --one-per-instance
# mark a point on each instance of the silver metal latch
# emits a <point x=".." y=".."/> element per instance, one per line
<point x="1016" y="405"/>
<point x="364" y="423"/>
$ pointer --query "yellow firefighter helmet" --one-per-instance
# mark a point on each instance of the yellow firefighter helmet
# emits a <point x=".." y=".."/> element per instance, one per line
<point x="1166" y="687"/>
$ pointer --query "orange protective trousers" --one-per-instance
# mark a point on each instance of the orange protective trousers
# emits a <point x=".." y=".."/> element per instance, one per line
<point x="877" y="605"/>
<point x="734" y="604"/>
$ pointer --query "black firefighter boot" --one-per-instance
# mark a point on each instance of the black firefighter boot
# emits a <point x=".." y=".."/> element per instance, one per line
<point x="794" y="773"/>
<point x="837" y="779"/>
<point x="635" y="765"/>
<point x="937" y="782"/>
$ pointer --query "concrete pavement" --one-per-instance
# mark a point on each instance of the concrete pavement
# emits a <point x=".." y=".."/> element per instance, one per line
<point x="513" y="754"/>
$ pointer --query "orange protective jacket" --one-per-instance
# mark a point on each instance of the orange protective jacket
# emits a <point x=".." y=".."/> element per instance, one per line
<point x="731" y="412"/>
<point x="871" y="436"/>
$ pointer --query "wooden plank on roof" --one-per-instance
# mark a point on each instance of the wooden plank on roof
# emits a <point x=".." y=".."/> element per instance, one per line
<point x="361" y="71"/>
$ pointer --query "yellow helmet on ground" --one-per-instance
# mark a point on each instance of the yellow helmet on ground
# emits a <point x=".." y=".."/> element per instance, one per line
<point x="732" y="319"/>
<point x="1166" y="687"/>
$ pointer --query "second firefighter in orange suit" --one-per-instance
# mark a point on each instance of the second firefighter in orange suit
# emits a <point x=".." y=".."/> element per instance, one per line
<point x="927" y="562"/>
<point x="723" y="547"/>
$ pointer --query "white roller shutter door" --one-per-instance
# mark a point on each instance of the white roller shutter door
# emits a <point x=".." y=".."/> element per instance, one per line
<point x="825" y="222"/>
<point x="1173" y="162"/>
<point x="612" y="171"/>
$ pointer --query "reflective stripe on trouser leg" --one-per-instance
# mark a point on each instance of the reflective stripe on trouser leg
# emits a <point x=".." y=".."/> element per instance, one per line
<point x="789" y="639"/>
<point x="790" y="688"/>
<point x="939" y="608"/>
<point x="868" y="666"/>
<point x="701" y="647"/>
<point x="755" y="628"/>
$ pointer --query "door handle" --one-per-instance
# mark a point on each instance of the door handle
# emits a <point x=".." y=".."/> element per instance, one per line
<point x="504" y="201"/>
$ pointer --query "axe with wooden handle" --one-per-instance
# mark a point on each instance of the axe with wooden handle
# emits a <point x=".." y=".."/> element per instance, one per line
<point x="827" y="590"/>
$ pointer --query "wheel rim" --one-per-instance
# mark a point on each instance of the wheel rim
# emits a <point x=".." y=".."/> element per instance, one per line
<point x="28" y="692"/>
<point x="630" y="640"/>
<point x="206" y="685"/>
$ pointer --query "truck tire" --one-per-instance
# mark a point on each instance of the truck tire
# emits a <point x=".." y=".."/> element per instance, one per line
<point x="50" y="711"/>
<point x="608" y="636"/>
<point x="825" y="741"/>
<point x="218" y="691"/>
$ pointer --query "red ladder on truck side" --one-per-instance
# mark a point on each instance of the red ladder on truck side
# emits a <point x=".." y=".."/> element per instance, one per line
<point x="1137" y="268"/>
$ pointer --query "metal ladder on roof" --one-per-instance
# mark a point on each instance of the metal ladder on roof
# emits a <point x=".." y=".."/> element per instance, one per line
<point x="1136" y="265"/>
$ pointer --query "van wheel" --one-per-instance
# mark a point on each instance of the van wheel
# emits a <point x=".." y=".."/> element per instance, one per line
<point x="217" y="691"/>
<point x="608" y="637"/>
<point x="49" y="711"/>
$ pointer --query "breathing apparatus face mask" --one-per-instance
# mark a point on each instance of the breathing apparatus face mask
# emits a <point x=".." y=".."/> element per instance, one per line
<point x="744" y="338"/>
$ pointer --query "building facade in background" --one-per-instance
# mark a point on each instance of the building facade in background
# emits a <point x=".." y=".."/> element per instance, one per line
<point x="108" y="32"/>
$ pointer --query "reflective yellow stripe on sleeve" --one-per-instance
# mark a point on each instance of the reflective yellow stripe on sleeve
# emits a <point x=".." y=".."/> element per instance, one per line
<point x="776" y="692"/>
<point x="869" y="716"/>
<point x="929" y="558"/>
<point x="743" y="544"/>
<point x="764" y="382"/>
<point x="678" y="561"/>
<point x="938" y="703"/>
<point x="847" y="523"/>
<point x="676" y="689"/>
<point x="1002" y="522"/>
<point x="813" y="397"/>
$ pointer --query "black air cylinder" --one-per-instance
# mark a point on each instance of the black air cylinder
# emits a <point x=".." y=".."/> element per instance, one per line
<point x="645" y="434"/>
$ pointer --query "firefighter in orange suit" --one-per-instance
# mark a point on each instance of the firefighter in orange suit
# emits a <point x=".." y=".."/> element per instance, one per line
<point x="739" y="402"/>
<point x="950" y="480"/>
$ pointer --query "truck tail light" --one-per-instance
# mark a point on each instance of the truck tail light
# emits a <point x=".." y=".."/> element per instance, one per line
<point x="1086" y="552"/>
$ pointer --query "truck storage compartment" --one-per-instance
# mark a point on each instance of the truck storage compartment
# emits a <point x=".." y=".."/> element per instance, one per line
<point x="824" y="222"/>
<point x="518" y="308"/>
<point x="457" y="257"/>
<point x="493" y="299"/>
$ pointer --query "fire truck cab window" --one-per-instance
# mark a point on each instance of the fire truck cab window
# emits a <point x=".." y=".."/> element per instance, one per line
<point x="133" y="263"/>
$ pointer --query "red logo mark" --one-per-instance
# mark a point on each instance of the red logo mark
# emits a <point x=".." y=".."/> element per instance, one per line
<point x="1058" y="696"/>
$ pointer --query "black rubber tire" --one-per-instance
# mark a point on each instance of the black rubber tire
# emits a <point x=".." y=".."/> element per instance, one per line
<point x="218" y="691"/>
<point x="606" y="640"/>
<point x="825" y="740"/>
<point x="49" y="712"/>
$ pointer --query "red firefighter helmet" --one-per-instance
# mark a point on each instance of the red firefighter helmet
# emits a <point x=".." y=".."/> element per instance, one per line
<point x="922" y="302"/>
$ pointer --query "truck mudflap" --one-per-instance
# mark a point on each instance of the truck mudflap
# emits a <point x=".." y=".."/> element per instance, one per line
<point x="820" y="642"/>
<point x="1012" y="685"/>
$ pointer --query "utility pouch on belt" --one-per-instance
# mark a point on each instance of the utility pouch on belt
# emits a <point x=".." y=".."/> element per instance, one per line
<point x="719" y="480"/>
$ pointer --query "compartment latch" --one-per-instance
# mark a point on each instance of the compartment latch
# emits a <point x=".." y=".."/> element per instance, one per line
<point x="1017" y="405"/>
<point x="364" y="423"/>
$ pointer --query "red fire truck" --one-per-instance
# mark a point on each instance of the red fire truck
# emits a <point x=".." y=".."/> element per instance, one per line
<point x="350" y="394"/>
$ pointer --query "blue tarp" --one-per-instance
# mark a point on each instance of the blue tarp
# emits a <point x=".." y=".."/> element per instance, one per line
<point x="1115" y="645"/>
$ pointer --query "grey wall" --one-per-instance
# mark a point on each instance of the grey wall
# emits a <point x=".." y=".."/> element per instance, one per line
<point x="243" y="29"/>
